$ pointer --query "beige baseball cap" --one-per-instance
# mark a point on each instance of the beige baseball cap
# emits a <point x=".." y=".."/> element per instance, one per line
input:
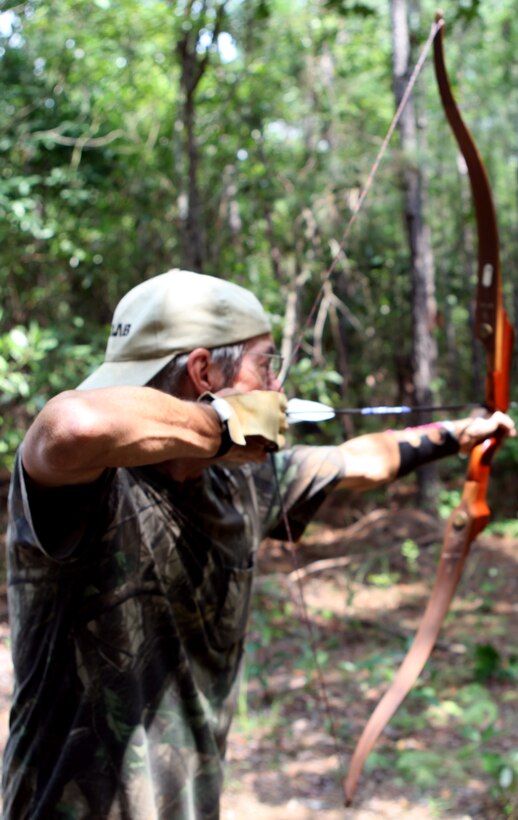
<point x="171" y="314"/>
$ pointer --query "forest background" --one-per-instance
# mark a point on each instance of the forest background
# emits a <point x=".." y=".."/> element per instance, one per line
<point x="235" y="138"/>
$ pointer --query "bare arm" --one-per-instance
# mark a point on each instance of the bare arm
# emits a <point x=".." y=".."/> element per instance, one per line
<point x="376" y="459"/>
<point x="81" y="433"/>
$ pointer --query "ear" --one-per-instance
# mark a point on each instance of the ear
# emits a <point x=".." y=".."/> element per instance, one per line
<point x="204" y="375"/>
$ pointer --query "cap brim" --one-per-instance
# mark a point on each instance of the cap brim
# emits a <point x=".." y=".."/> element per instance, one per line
<point x="119" y="374"/>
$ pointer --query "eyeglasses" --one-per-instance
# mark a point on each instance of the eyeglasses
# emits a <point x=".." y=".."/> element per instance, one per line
<point x="269" y="363"/>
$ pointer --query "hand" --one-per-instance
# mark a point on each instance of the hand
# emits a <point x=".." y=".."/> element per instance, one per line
<point x="257" y="418"/>
<point x="470" y="432"/>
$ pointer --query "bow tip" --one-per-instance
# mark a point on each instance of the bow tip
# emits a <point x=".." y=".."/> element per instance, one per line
<point x="349" y="788"/>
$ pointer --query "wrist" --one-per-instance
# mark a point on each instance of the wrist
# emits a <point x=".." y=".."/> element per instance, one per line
<point x="462" y="432"/>
<point x="223" y="412"/>
<point x="450" y="428"/>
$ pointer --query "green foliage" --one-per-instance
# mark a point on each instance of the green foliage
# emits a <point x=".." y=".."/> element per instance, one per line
<point x="426" y="768"/>
<point x="350" y="7"/>
<point x="503" y="768"/>
<point x="411" y="551"/>
<point x="35" y="363"/>
<point x="288" y="116"/>
<point x="383" y="580"/>
<point x="479" y="712"/>
<point x="507" y="528"/>
<point x="487" y="662"/>
<point x="448" y="500"/>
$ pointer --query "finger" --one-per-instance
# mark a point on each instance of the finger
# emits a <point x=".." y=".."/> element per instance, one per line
<point x="503" y="423"/>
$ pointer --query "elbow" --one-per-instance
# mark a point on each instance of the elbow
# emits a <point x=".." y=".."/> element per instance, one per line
<point x="61" y="436"/>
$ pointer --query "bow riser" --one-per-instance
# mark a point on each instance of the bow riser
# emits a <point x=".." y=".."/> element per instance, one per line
<point x="497" y="389"/>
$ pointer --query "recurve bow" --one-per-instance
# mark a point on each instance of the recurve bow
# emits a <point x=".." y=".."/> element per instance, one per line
<point x="472" y="514"/>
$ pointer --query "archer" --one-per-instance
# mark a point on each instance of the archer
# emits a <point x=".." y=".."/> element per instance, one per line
<point x="137" y="505"/>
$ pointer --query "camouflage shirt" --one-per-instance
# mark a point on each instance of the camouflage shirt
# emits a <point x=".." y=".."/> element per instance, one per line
<point x="128" y="604"/>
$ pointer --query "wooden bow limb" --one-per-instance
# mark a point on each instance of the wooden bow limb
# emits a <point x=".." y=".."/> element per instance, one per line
<point x="471" y="516"/>
<point x="492" y="324"/>
<point x="466" y="521"/>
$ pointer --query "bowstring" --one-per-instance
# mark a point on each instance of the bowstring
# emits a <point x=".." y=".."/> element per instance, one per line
<point x="323" y="697"/>
<point x="436" y="25"/>
<point x="323" y="689"/>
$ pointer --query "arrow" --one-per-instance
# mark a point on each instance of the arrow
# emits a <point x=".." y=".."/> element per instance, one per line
<point x="300" y="410"/>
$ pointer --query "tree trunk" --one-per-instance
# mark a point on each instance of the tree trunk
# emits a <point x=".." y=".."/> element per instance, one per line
<point x="192" y="69"/>
<point x="421" y="256"/>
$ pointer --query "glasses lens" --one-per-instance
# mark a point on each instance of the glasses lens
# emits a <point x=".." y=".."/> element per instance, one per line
<point x="270" y="363"/>
<point x="277" y="363"/>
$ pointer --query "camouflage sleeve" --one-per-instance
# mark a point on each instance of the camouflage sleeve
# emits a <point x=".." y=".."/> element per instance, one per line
<point x="302" y="476"/>
<point x="57" y="520"/>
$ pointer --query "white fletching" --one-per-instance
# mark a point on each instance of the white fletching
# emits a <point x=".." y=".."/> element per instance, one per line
<point x="302" y="410"/>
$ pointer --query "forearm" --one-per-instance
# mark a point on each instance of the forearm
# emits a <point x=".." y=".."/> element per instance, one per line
<point x="421" y="445"/>
<point x="369" y="461"/>
<point x="379" y="458"/>
<point x="80" y="434"/>
<point x="427" y="443"/>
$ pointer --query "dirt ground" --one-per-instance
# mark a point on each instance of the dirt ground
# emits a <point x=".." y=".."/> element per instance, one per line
<point x="283" y="763"/>
<point x="294" y="771"/>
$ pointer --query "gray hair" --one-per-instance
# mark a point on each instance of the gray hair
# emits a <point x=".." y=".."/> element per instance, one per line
<point x="169" y="379"/>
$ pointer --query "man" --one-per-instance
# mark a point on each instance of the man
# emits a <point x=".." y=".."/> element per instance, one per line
<point x="136" y="508"/>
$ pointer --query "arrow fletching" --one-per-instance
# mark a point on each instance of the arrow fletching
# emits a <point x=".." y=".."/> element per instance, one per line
<point x="303" y="410"/>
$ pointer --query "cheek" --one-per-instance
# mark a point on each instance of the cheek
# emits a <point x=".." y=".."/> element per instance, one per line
<point x="244" y="382"/>
<point x="246" y="379"/>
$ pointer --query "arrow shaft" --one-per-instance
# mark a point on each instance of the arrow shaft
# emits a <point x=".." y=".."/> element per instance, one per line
<point x="316" y="412"/>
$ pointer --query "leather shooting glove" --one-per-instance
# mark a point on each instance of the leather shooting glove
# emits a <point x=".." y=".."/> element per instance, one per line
<point x="260" y="414"/>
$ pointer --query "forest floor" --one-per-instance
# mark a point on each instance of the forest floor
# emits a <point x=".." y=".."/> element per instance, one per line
<point x="443" y="754"/>
<point x="457" y="734"/>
